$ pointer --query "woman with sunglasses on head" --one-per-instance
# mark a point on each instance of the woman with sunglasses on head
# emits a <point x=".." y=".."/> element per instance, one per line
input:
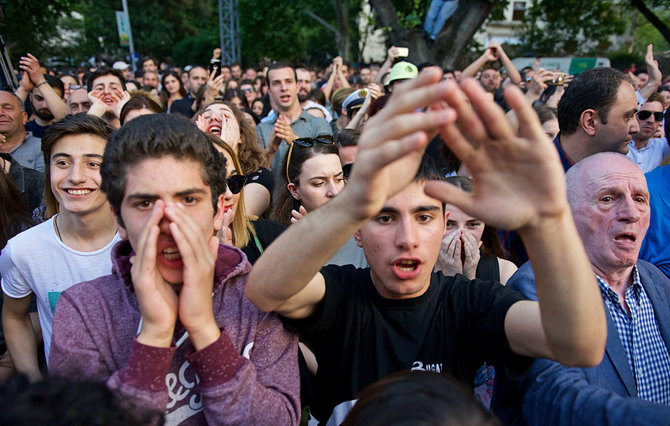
<point x="172" y="89"/>
<point x="226" y="121"/>
<point x="311" y="176"/>
<point x="251" y="235"/>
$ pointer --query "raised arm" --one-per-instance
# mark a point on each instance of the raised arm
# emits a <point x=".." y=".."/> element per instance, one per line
<point x="286" y="278"/>
<point x="31" y="67"/>
<point x="392" y="53"/>
<point x="506" y="62"/>
<point x="654" y="74"/>
<point x="568" y="324"/>
<point x="472" y="69"/>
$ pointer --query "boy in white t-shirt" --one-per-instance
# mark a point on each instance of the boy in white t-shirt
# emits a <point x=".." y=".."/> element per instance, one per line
<point x="74" y="245"/>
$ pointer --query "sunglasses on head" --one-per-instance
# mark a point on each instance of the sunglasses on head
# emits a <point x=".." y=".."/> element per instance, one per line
<point x="643" y="115"/>
<point x="236" y="183"/>
<point x="306" y="143"/>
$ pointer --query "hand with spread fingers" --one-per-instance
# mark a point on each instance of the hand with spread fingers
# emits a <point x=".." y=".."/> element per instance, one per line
<point x="392" y="145"/>
<point x="158" y="301"/>
<point x="519" y="181"/>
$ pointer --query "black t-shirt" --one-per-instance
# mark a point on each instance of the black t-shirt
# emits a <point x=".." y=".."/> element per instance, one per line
<point x="37" y="130"/>
<point x="266" y="232"/>
<point x="359" y="337"/>
<point x="263" y="177"/>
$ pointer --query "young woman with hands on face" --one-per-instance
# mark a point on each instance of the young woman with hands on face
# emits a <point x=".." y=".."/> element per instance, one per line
<point x="471" y="247"/>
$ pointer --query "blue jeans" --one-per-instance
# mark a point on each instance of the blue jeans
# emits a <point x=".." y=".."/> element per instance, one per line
<point x="438" y="13"/>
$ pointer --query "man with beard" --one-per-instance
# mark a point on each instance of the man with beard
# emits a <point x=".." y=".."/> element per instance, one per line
<point x="647" y="150"/>
<point x="46" y="95"/>
<point x="304" y="87"/>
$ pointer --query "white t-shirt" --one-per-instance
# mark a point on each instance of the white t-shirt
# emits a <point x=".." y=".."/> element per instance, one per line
<point x="37" y="261"/>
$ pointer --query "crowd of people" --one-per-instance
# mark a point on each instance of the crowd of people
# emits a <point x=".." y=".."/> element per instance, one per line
<point x="214" y="245"/>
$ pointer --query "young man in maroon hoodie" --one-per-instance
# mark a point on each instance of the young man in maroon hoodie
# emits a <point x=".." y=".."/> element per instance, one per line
<point x="171" y="328"/>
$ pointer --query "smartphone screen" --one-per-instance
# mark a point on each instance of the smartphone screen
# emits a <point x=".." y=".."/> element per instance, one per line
<point x="215" y="67"/>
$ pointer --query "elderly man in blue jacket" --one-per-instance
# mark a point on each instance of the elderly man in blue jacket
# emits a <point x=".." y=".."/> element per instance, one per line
<point x="609" y="200"/>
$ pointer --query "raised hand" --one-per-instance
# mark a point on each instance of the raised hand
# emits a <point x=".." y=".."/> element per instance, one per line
<point x="393" y="141"/>
<point x="296" y="215"/>
<point x="449" y="260"/>
<point x="31" y="65"/>
<point x="198" y="254"/>
<point x="157" y="299"/>
<point x="283" y="130"/>
<point x="518" y="179"/>
<point x="470" y="254"/>
<point x="120" y="99"/>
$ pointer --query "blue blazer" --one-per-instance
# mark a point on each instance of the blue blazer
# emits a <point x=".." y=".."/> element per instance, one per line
<point x="606" y="394"/>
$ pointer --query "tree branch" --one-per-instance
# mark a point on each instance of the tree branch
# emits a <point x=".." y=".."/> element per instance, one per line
<point x="652" y="18"/>
<point x="321" y="21"/>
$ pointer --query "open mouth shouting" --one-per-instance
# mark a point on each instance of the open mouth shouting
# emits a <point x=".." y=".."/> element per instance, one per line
<point x="406" y="268"/>
<point x="214" y="127"/>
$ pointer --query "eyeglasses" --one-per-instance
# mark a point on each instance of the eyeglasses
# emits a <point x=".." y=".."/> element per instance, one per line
<point x="305" y="143"/>
<point x="77" y="87"/>
<point x="236" y="183"/>
<point x="247" y="90"/>
<point x="644" y="114"/>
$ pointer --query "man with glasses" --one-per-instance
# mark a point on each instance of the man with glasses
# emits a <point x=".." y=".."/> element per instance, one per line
<point x="646" y="150"/>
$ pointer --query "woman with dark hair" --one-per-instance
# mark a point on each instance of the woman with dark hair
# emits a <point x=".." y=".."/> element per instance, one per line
<point x="226" y="121"/>
<point x="140" y="103"/>
<point x="261" y="86"/>
<point x="260" y="108"/>
<point x="236" y="97"/>
<point x="311" y="175"/>
<point x="172" y="89"/>
<point x="473" y="249"/>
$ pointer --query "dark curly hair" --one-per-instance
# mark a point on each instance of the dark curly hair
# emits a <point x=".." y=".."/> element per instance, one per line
<point x="156" y="136"/>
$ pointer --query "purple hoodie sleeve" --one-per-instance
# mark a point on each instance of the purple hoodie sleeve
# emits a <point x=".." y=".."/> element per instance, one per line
<point x="263" y="389"/>
<point x="77" y="355"/>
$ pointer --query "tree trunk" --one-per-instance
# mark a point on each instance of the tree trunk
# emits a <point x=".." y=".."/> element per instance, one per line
<point x="449" y="44"/>
<point x="652" y="18"/>
<point x="344" y="41"/>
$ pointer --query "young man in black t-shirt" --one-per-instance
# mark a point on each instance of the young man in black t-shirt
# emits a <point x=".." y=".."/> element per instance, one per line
<point x="364" y="324"/>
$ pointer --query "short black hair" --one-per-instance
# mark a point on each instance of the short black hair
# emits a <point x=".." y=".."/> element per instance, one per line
<point x="100" y="72"/>
<point x="157" y="136"/>
<point x="278" y="66"/>
<point x="595" y="89"/>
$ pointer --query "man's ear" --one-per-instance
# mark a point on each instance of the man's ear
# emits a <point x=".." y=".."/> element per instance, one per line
<point x="24" y="117"/>
<point x="589" y="121"/>
<point x="293" y="190"/>
<point x="446" y="218"/>
<point x="122" y="231"/>
<point x="218" y="216"/>
<point x="358" y="238"/>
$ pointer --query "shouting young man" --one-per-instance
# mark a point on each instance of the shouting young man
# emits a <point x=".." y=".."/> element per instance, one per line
<point x="364" y="324"/>
<point x="171" y="328"/>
